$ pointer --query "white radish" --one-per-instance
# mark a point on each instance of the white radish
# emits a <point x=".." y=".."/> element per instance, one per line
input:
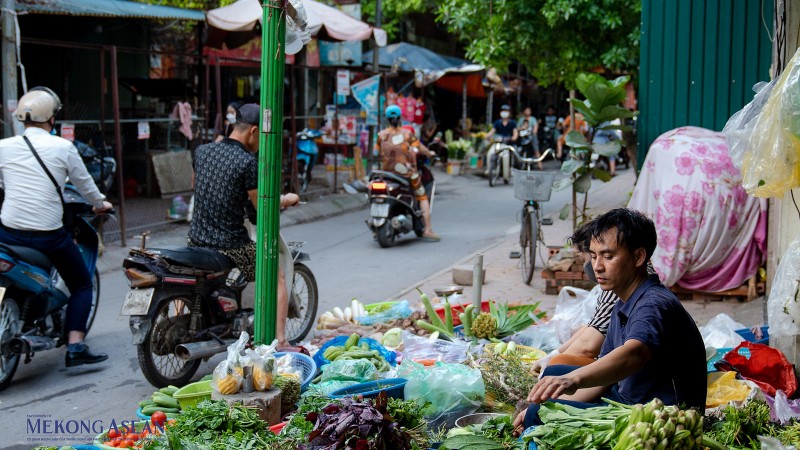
<point x="338" y="313"/>
<point x="348" y="314"/>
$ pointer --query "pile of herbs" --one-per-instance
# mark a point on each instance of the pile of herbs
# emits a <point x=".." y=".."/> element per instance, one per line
<point x="740" y="427"/>
<point x="574" y="428"/>
<point x="494" y="434"/>
<point x="354" y="424"/>
<point x="214" y="425"/>
<point x="508" y="381"/>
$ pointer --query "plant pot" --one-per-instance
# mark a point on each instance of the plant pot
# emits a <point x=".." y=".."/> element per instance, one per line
<point x="454" y="167"/>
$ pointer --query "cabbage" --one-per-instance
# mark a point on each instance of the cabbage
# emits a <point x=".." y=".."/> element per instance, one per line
<point x="392" y="338"/>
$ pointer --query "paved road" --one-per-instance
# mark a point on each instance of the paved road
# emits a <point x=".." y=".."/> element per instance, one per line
<point x="347" y="263"/>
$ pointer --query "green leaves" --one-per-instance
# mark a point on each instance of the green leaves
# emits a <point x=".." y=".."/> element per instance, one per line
<point x="583" y="183"/>
<point x="576" y="140"/>
<point x="470" y="442"/>
<point x="564" y="214"/>
<point x="610" y="148"/>
<point x="571" y="166"/>
<point x="562" y="184"/>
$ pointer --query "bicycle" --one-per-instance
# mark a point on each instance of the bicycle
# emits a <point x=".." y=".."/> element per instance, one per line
<point x="532" y="187"/>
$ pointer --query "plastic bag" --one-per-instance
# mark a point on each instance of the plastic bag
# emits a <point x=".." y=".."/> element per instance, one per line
<point x="772" y="166"/>
<point x="388" y="355"/>
<point x="720" y="332"/>
<point x="359" y="370"/>
<point x="542" y="336"/>
<point x="327" y="388"/>
<point x="782" y="306"/>
<point x="419" y="349"/>
<point x="766" y="367"/>
<point x="399" y="310"/>
<point x="783" y="410"/>
<point x="725" y="389"/>
<point x="574" y="309"/>
<point x="740" y="126"/>
<point x="453" y="390"/>
<point x="285" y="368"/>
<point x="264" y="371"/>
<point x="770" y="443"/>
<point x="228" y="375"/>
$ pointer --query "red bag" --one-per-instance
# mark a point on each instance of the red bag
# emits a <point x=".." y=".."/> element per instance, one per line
<point x="767" y="367"/>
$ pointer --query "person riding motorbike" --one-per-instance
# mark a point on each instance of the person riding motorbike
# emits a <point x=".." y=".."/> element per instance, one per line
<point x="33" y="170"/>
<point x="395" y="147"/>
<point x="422" y="156"/>
<point x="226" y="178"/>
<point x="505" y="127"/>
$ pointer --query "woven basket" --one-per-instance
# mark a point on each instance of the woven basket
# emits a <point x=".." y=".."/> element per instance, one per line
<point x="522" y="351"/>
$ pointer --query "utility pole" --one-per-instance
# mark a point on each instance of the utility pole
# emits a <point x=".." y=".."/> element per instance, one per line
<point x="9" y="59"/>
<point x="373" y="129"/>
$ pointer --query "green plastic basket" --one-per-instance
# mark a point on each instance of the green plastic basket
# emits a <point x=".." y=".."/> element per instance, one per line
<point x="191" y="394"/>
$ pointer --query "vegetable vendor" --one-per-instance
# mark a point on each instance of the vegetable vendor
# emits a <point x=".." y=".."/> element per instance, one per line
<point x="653" y="348"/>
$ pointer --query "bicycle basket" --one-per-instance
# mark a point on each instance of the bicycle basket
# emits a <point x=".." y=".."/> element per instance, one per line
<point x="533" y="186"/>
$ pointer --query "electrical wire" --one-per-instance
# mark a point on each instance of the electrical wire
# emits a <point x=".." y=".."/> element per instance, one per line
<point x="791" y="191"/>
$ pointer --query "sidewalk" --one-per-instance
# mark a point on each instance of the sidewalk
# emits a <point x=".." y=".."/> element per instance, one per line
<point x="504" y="276"/>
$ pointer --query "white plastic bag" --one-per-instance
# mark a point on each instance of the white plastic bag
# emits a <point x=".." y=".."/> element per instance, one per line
<point x="783" y="306"/>
<point x="720" y="332"/>
<point x="741" y="125"/>
<point x="770" y="443"/>
<point x="574" y="309"/>
<point x="782" y="410"/>
<point x="542" y="336"/>
<point x="418" y="348"/>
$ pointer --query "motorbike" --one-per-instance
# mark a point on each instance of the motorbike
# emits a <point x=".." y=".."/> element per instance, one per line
<point x="500" y="158"/>
<point x="33" y="297"/>
<point x="526" y="142"/>
<point x="307" y="152"/>
<point x="185" y="305"/>
<point x="393" y="207"/>
<point x="436" y="145"/>
<point x="101" y="168"/>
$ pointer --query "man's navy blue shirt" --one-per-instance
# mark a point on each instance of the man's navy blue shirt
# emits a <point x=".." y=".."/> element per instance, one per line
<point x="676" y="372"/>
<point x="504" y="130"/>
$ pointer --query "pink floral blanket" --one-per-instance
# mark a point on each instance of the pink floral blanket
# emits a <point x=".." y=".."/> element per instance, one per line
<point x="711" y="234"/>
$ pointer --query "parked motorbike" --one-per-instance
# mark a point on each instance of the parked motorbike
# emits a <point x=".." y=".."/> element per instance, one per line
<point x="185" y="305"/>
<point x="307" y="152"/>
<point x="33" y="297"/>
<point x="393" y="208"/>
<point x="99" y="165"/>
<point x="499" y="160"/>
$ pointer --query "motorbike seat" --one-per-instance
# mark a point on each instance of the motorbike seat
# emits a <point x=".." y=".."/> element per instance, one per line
<point x="28" y="255"/>
<point x="390" y="175"/>
<point x="196" y="257"/>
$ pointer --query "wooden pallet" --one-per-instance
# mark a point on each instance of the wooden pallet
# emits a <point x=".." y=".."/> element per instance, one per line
<point x="744" y="293"/>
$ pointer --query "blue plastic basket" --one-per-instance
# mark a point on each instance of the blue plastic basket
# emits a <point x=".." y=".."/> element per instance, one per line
<point x="304" y="363"/>
<point x="388" y="355"/>
<point x="749" y="336"/>
<point x="141" y="415"/>
<point x="394" y="388"/>
<point x="721" y="353"/>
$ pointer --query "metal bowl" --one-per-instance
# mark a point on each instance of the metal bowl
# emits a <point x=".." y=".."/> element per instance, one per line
<point x="448" y="291"/>
<point x="476" y="419"/>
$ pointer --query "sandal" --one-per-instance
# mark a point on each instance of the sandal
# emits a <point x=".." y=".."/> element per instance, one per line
<point x="434" y="238"/>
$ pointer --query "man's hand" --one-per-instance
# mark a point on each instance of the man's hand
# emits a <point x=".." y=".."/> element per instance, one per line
<point x="106" y="206"/>
<point x="289" y="200"/>
<point x="552" y="387"/>
<point x="518" y="423"/>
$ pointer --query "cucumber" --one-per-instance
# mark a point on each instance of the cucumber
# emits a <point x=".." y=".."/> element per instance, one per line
<point x="165" y="401"/>
<point x="169" y="390"/>
<point x="351" y="341"/>
<point x="146" y="402"/>
<point x="149" y="410"/>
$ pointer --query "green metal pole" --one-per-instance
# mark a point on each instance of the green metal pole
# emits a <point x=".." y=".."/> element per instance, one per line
<point x="269" y="169"/>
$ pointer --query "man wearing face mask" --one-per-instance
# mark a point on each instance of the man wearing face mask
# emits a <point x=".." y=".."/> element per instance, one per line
<point x="395" y="148"/>
<point x="505" y="126"/>
<point x="226" y="178"/>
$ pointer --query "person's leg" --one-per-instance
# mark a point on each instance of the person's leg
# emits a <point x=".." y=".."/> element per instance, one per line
<point x="282" y="309"/>
<point x="532" y="416"/>
<point x="612" y="165"/>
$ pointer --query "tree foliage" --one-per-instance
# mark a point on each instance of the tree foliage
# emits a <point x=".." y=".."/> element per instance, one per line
<point x="555" y="39"/>
<point x="393" y="12"/>
<point x="202" y="5"/>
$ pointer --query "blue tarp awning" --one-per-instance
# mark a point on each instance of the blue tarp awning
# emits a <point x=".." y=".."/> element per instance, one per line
<point x="409" y="58"/>
<point x="108" y="8"/>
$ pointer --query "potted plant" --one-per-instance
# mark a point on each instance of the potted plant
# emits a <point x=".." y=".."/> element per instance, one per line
<point x="456" y="151"/>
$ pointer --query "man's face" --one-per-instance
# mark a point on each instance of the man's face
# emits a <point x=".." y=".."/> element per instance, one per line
<point x="551" y="112"/>
<point x="614" y="265"/>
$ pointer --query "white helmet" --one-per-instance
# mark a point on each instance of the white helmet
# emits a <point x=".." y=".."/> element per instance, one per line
<point x="40" y="104"/>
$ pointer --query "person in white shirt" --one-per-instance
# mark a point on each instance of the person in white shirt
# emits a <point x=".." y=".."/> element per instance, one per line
<point x="32" y="213"/>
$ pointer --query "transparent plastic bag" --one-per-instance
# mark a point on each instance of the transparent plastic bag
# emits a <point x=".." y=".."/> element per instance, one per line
<point x="542" y="336"/>
<point x="399" y="310"/>
<point x="285" y="368"/>
<point x="773" y="165"/>
<point x="358" y="370"/>
<point x="725" y="389"/>
<point x="720" y="332"/>
<point x="770" y="443"/>
<point x="327" y="388"/>
<point x="417" y="348"/>
<point x="228" y="375"/>
<point x="452" y="390"/>
<point x="574" y="309"/>
<point x="741" y="126"/>
<point x="783" y="306"/>
<point x="783" y="410"/>
<point x="264" y="371"/>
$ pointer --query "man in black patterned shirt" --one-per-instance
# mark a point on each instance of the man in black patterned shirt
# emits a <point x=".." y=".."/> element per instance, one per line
<point x="226" y="179"/>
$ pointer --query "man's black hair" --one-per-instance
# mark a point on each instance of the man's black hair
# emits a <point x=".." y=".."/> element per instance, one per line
<point x="582" y="237"/>
<point x="634" y="229"/>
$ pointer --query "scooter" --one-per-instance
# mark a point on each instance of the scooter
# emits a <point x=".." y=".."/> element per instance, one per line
<point x="393" y="207"/>
<point x="307" y="152"/>
<point x="185" y="306"/>
<point x="101" y="168"/>
<point x="33" y="297"/>
<point x="499" y="160"/>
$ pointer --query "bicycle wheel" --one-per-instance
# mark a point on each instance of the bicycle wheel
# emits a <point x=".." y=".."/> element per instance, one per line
<point x="527" y="241"/>
<point x="533" y="215"/>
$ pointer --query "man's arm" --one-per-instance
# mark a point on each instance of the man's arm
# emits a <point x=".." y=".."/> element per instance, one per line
<point x="79" y="176"/>
<point x="621" y="363"/>
<point x="514" y="135"/>
<point x="286" y="200"/>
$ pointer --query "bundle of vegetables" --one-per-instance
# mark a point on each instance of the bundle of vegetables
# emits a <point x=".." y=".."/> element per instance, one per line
<point x="741" y="426"/>
<point x="338" y="317"/>
<point x="161" y="400"/>
<point x="213" y="425"/>
<point x="619" y="426"/>
<point x="436" y="324"/>
<point x="353" y="424"/>
<point x="290" y="392"/>
<point x="494" y="434"/>
<point x="508" y="381"/>
<point x="353" y="350"/>
<point x="501" y="320"/>
<point x="511" y="348"/>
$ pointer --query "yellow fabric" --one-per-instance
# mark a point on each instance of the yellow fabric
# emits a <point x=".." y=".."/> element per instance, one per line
<point x="725" y="388"/>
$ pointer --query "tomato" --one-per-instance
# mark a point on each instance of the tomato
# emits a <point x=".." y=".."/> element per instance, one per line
<point x="144" y="433"/>
<point x="111" y="443"/>
<point x="126" y="443"/>
<point x="158" y="418"/>
<point x="132" y="436"/>
<point x="113" y="433"/>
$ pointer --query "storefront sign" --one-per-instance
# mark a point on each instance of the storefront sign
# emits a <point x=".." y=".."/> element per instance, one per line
<point x="366" y="93"/>
<point x="68" y="131"/>
<point x="143" y="130"/>
<point x="343" y="82"/>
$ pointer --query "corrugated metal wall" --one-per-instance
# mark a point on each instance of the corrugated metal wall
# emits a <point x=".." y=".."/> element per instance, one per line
<point x="699" y="60"/>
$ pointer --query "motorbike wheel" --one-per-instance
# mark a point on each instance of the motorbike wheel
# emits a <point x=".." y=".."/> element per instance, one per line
<point x="9" y="329"/>
<point x="386" y="234"/>
<point x="303" y="304"/>
<point x="95" y="300"/>
<point x="157" y="357"/>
